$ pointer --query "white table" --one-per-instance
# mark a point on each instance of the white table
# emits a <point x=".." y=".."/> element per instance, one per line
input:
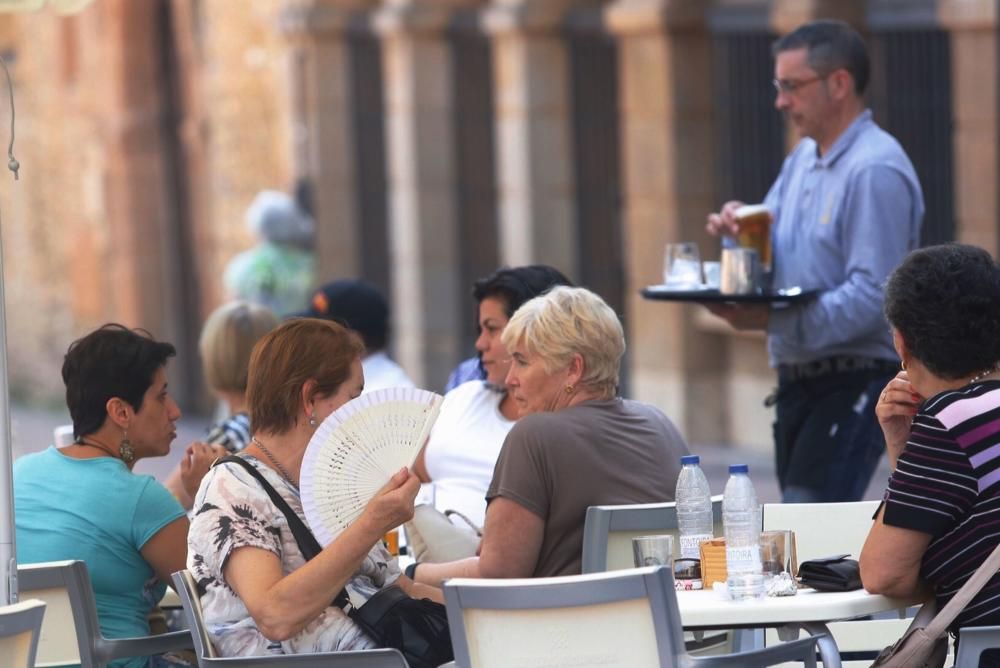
<point x="809" y="610"/>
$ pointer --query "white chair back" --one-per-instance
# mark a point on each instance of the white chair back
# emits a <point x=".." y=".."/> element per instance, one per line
<point x="58" y="644"/>
<point x="608" y="531"/>
<point x="822" y="529"/>
<point x="826" y="529"/>
<point x="20" y="627"/>
<point x="71" y="633"/>
<point x="619" y="619"/>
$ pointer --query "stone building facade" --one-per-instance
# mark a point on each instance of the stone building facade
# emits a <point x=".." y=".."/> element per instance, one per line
<point x="438" y="139"/>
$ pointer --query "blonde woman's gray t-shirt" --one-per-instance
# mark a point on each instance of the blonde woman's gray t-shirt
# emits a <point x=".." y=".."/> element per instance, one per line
<point x="556" y="464"/>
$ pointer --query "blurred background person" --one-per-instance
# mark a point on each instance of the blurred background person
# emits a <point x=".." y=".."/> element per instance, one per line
<point x="122" y="411"/>
<point x="227" y="339"/>
<point x="280" y="270"/>
<point x="476" y="416"/>
<point x="359" y="306"/>
<point x="260" y="595"/>
<point x="941" y="420"/>
<point x="576" y="442"/>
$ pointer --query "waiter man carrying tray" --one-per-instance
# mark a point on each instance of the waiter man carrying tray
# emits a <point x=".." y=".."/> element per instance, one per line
<point x="847" y="208"/>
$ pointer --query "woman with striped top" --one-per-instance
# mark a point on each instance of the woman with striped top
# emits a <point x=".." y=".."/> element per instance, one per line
<point x="941" y="420"/>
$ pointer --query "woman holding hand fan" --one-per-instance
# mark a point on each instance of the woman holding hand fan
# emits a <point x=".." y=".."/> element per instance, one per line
<point x="261" y="595"/>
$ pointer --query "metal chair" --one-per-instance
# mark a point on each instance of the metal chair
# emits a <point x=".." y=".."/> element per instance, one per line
<point x="187" y="589"/>
<point x="71" y="632"/>
<point x="824" y="529"/>
<point x="973" y="641"/>
<point x="608" y="531"/>
<point x="607" y="546"/>
<point x="20" y="626"/>
<point x="621" y="618"/>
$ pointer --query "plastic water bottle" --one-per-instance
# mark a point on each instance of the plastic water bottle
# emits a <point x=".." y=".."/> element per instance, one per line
<point x="694" y="507"/>
<point x="741" y="522"/>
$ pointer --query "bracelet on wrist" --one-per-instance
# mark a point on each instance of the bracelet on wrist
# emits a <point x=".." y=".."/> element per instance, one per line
<point x="411" y="571"/>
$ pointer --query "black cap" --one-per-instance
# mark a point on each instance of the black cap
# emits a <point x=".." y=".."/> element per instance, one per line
<point x="355" y="304"/>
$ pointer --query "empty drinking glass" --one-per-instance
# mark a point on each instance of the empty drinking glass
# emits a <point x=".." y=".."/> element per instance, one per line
<point x="653" y="551"/>
<point x="682" y="265"/>
<point x="777" y="552"/>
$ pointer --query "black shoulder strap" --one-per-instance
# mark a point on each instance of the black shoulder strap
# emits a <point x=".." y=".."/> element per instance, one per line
<point x="306" y="541"/>
<point x="308" y="544"/>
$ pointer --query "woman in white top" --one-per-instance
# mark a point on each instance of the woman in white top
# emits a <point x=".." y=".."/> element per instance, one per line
<point x="475" y="417"/>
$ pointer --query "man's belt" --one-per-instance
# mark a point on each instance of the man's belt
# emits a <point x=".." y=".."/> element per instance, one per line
<point x="827" y="366"/>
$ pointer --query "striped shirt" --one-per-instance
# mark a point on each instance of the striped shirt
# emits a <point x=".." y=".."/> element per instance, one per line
<point x="947" y="484"/>
<point x="233" y="433"/>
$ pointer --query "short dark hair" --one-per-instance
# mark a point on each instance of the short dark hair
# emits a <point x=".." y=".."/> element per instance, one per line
<point x="945" y="303"/>
<point x="516" y="285"/>
<point x="112" y="361"/>
<point x="355" y="304"/>
<point x="286" y="358"/>
<point x="830" y="45"/>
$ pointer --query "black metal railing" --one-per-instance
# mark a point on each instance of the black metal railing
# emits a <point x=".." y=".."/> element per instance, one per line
<point x="911" y="98"/>
<point x="475" y="164"/>
<point x="368" y="127"/>
<point x="749" y="132"/>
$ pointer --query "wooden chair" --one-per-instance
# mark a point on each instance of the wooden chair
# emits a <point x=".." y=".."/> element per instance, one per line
<point x="71" y="633"/>
<point x="187" y="589"/>
<point x="20" y="626"/>
<point x="621" y="619"/>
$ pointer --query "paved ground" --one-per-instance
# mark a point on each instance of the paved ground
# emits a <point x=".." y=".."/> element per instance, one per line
<point x="32" y="430"/>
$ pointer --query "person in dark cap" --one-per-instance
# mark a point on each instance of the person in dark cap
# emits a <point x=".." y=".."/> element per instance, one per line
<point x="361" y="307"/>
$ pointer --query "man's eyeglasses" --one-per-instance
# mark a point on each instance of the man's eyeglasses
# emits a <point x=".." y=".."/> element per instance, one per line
<point x="791" y="86"/>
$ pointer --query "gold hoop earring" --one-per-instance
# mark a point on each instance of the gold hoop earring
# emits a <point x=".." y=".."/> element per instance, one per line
<point x="569" y="389"/>
<point x="125" y="449"/>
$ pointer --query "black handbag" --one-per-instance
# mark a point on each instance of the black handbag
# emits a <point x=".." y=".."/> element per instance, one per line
<point x="836" y="573"/>
<point x="418" y="628"/>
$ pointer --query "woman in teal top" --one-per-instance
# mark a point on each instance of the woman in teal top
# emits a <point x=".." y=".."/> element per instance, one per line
<point x="83" y="501"/>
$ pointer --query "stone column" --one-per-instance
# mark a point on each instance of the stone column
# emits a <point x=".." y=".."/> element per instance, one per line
<point x="666" y="98"/>
<point x="787" y="15"/>
<point x="423" y="220"/>
<point x="534" y="133"/>
<point x="141" y="214"/>
<point x="323" y="141"/>
<point x="973" y="28"/>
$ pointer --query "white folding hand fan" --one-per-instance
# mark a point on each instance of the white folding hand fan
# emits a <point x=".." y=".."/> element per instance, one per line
<point x="357" y="449"/>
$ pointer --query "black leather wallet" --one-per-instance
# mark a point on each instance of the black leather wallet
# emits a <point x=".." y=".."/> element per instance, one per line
<point x="835" y="573"/>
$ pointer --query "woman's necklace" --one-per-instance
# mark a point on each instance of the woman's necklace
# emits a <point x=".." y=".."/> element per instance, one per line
<point x="277" y="464"/>
<point x="982" y="374"/>
<point x="94" y="444"/>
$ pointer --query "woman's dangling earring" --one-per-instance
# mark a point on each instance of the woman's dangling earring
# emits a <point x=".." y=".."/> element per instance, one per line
<point x="312" y="419"/>
<point x="125" y="449"/>
<point x="902" y="365"/>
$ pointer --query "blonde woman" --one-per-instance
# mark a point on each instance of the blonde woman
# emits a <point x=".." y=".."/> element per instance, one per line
<point x="227" y="338"/>
<point x="576" y="443"/>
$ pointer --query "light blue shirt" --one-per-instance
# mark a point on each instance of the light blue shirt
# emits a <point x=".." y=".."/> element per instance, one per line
<point x="842" y="223"/>
<point x="97" y="511"/>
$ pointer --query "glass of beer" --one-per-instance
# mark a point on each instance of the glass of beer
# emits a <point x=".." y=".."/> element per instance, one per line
<point x="754" y="221"/>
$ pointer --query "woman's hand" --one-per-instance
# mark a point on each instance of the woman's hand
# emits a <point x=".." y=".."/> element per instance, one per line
<point x="197" y="460"/>
<point x="895" y="409"/>
<point x="393" y="504"/>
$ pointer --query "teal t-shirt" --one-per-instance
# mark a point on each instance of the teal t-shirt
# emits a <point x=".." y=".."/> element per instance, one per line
<point x="97" y="511"/>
